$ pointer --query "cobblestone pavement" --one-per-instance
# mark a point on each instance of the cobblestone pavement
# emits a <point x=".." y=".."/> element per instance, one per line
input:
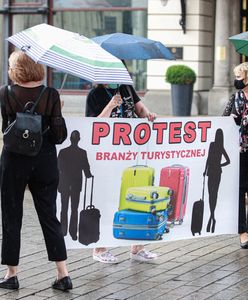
<point x="203" y="268"/>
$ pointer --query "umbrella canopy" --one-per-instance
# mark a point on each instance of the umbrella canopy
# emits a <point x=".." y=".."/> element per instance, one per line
<point x="240" y="42"/>
<point x="71" y="53"/>
<point x="128" y="46"/>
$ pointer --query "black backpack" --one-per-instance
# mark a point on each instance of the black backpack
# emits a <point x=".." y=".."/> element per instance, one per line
<point x="24" y="135"/>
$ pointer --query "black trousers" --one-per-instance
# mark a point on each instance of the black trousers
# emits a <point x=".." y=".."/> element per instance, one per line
<point x="243" y="188"/>
<point x="40" y="173"/>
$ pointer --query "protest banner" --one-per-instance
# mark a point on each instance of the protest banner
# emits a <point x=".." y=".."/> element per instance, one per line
<point x="137" y="196"/>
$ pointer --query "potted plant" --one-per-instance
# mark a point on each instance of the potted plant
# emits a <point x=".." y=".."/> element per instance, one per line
<point x="182" y="79"/>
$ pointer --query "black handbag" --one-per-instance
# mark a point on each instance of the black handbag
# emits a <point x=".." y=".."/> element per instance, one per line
<point x="24" y="135"/>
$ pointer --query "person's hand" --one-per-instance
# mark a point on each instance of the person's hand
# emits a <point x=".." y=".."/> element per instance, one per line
<point x="62" y="103"/>
<point x="115" y="101"/>
<point x="151" y="116"/>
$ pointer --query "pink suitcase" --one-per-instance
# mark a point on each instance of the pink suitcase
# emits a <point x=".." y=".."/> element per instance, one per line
<point x="176" y="177"/>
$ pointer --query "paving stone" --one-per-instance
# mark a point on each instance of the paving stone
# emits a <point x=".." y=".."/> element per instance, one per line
<point x="189" y="276"/>
<point x="227" y="294"/>
<point x="231" y="279"/>
<point x="243" y="296"/>
<point x="213" y="288"/>
<point x="153" y="293"/>
<point x="241" y="287"/>
<point x="199" y="295"/>
<point x="206" y="268"/>
<point x="162" y="277"/>
<point x="132" y="291"/>
<point x="106" y="291"/>
<point x="210" y="278"/>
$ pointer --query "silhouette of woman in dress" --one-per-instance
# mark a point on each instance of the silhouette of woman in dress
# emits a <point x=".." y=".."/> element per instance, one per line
<point x="213" y="171"/>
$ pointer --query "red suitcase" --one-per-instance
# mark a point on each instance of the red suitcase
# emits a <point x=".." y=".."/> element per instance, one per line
<point x="176" y="177"/>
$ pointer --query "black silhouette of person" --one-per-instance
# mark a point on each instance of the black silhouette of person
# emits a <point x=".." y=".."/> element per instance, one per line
<point x="72" y="162"/>
<point x="213" y="170"/>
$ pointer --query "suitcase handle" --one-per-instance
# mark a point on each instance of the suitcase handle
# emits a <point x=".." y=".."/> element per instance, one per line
<point x="132" y="197"/>
<point x="91" y="192"/>
<point x="139" y="166"/>
<point x="203" y="188"/>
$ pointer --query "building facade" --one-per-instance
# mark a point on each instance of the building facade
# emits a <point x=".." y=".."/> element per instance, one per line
<point x="196" y="31"/>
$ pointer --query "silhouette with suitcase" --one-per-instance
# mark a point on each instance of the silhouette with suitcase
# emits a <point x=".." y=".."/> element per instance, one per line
<point x="72" y="162"/>
<point x="213" y="170"/>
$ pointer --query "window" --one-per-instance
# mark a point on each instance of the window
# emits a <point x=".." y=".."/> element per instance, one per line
<point x="92" y="18"/>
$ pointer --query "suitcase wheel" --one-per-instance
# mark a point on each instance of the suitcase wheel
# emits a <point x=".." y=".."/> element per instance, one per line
<point x="170" y="192"/>
<point x="181" y="222"/>
<point x="160" y="218"/>
<point x="153" y="211"/>
<point x="171" y="224"/>
<point x="158" y="237"/>
<point x="154" y="195"/>
<point x="167" y="230"/>
<point x="169" y="209"/>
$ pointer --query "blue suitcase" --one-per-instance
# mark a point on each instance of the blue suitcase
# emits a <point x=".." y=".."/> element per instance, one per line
<point x="134" y="225"/>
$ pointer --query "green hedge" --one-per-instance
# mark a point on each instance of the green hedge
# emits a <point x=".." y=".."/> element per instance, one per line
<point x="180" y="74"/>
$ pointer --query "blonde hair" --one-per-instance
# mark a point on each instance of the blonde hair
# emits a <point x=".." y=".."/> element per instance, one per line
<point x="242" y="69"/>
<point x="23" y="69"/>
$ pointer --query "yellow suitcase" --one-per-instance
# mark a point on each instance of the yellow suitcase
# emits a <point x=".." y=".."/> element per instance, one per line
<point x="134" y="176"/>
<point x="147" y="198"/>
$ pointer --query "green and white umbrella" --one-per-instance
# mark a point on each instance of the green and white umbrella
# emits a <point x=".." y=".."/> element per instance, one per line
<point x="71" y="53"/>
<point x="240" y="42"/>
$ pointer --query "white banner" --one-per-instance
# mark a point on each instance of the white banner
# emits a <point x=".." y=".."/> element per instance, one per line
<point x="131" y="159"/>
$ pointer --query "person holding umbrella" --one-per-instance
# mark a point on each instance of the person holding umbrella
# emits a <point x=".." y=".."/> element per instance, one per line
<point x="39" y="173"/>
<point x="237" y="107"/>
<point x="112" y="101"/>
<point x="104" y="101"/>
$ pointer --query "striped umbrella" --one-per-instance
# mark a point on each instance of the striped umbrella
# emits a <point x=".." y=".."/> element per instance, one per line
<point x="71" y="53"/>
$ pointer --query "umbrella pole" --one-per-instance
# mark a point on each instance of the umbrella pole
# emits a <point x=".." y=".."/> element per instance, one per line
<point x="63" y="83"/>
<point x="61" y="88"/>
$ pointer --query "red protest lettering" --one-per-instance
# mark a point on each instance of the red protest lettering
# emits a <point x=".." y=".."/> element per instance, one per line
<point x="100" y="130"/>
<point x="160" y="127"/>
<point x="121" y="133"/>
<point x="142" y="133"/>
<point x="190" y="134"/>
<point x="175" y="132"/>
<point x="204" y="125"/>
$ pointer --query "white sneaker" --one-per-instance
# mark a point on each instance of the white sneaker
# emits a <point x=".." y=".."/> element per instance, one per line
<point x="105" y="257"/>
<point x="143" y="255"/>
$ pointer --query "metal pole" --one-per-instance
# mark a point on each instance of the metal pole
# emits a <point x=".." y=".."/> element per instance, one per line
<point x="50" y="22"/>
<point x="6" y="33"/>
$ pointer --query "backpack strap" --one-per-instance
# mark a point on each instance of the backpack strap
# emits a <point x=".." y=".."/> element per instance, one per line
<point x="131" y="95"/>
<point x="20" y="104"/>
<point x="10" y="93"/>
<point x="38" y="100"/>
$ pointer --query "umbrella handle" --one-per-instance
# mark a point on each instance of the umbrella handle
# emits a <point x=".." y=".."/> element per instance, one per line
<point x="25" y="48"/>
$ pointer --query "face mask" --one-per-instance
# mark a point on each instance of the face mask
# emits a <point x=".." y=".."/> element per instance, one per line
<point x="113" y="86"/>
<point x="239" y="84"/>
